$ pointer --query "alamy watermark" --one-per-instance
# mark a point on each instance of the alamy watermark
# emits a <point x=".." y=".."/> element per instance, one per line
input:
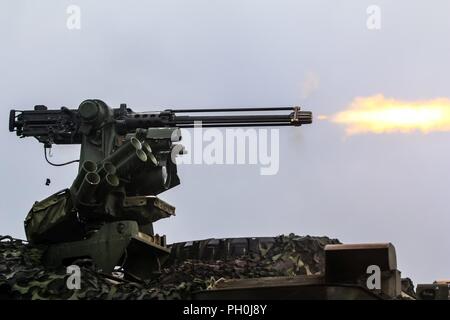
<point x="73" y="282"/>
<point x="373" y="21"/>
<point x="232" y="146"/>
<point x="73" y="21"/>
<point x="373" y="281"/>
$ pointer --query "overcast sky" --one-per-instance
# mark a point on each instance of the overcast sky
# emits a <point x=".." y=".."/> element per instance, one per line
<point x="233" y="53"/>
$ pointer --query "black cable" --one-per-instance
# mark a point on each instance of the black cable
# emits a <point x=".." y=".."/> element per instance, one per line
<point x="57" y="164"/>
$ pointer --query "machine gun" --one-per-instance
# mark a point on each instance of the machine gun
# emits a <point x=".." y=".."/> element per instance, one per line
<point x="126" y="160"/>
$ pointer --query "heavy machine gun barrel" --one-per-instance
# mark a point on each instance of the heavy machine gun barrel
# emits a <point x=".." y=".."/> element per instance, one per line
<point x="63" y="126"/>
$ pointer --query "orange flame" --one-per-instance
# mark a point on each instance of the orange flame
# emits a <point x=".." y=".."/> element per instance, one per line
<point x="377" y="114"/>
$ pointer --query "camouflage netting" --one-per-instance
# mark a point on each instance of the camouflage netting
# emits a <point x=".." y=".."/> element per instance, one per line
<point x="22" y="275"/>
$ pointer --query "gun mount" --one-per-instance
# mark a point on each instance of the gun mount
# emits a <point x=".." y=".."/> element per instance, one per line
<point x="107" y="214"/>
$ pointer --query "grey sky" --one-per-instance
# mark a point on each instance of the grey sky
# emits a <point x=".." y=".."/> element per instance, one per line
<point x="367" y="188"/>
